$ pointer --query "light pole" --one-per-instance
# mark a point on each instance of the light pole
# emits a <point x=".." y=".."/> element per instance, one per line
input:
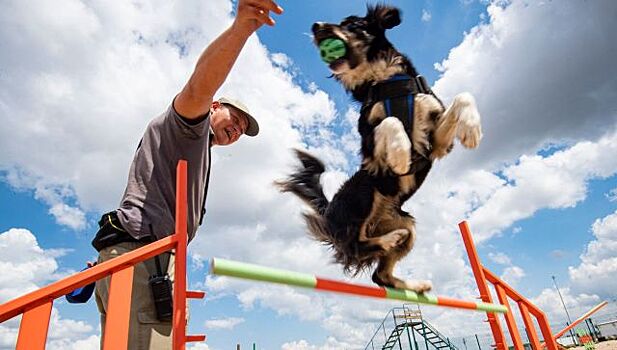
<point x="565" y="308"/>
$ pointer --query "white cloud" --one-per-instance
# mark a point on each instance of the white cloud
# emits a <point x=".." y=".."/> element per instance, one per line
<point x="512" y="275"/>
<point x="563" y="184"/>
<point x="54" y="195"/>
<point x="598" y="266"/>
<point x="577" y="304"/>
<point x="25" y="265"/>
<point x="285" y="300"/>
<point x="351" y="138"/>
<point x="224" y="323"/>
<point x="518" y="64"/>
<point x="426" y="15"/>
<point x="612" y="195"/>
<point x="280" y="59"/>
<point x="68" y="216"/>
<point x="93" y="342"/>
<point x="8" y="336"/>
<point x="299" y="345"/>
<point x="499" y="258"/>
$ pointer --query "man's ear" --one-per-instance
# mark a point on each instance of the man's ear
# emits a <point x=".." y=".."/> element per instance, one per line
<point x="386" y="17"/>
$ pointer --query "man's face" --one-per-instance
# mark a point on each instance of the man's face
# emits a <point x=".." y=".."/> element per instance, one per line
<point x="228" y="124"/>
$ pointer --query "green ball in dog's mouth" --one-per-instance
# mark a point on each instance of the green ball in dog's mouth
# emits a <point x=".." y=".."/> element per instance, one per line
<point x="332" y="49"/>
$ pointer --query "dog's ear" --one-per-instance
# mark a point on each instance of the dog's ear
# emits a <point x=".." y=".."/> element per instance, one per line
<point x="384" y="16"/>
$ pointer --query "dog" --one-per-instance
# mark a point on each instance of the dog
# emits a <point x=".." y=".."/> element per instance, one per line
<point x="404" y="127"/>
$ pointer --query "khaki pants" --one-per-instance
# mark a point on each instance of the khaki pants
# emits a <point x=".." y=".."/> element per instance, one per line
<point x="145" y="331"/>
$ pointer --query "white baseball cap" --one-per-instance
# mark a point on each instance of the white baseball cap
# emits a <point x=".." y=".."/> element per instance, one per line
<point x="253" y="127"/>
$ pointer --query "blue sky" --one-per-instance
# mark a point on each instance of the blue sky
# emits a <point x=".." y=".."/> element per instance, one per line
<point x="540" y="192"/>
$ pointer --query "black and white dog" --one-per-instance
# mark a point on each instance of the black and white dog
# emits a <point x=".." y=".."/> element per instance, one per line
<point x="404" y="128"/>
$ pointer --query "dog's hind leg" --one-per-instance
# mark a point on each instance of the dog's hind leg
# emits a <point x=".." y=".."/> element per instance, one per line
<point x="388" y="241"/>
<point x="389" y="236"/>
<point x="383" y="276"/>
<point x="460" y="119"/>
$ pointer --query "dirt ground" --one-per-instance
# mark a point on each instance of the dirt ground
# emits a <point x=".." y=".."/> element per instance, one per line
<point x="605" y="345"/>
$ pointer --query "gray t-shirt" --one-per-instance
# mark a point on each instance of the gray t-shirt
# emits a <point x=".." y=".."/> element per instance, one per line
<point x="148" y="204"/>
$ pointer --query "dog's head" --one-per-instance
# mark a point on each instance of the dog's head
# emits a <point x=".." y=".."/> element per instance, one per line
<point x="350" y="47"/>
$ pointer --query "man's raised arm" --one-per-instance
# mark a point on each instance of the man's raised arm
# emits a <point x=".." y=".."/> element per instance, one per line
<point x="216" y="61"/>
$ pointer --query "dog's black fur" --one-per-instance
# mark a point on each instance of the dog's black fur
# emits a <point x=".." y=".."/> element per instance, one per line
<point x="364" y="223"/>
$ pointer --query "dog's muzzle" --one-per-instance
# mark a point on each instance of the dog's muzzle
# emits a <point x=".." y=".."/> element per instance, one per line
<point x="331" y="47"/>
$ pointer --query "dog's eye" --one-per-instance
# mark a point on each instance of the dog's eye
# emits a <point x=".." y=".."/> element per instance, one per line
<point x="353" y="26"/>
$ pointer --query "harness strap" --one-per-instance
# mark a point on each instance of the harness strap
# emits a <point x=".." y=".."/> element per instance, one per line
<point x="397" y="95"/>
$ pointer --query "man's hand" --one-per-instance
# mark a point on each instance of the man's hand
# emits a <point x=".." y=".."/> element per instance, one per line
<point x="252" y="14"/>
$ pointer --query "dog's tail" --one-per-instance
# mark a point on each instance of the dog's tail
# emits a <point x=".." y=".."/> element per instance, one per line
<point x="304" y="183"/>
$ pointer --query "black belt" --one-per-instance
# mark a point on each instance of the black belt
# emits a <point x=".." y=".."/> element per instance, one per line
<point x="111" y="233"/>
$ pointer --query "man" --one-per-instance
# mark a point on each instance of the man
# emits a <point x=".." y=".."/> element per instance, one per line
<point x="192" y="124"/>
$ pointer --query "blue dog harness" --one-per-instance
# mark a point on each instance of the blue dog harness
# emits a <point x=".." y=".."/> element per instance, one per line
<point x="397" y="94"/>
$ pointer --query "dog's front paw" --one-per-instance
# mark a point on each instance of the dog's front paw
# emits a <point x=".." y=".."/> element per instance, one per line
<point x="421" y="286"/>
<point x="469" y="130"/>
<point x="392" y="141"/>
<point x="399" y="147"/>
<point x="469" y="134"/>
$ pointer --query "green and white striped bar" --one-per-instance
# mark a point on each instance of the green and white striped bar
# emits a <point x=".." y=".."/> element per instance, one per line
<point x="222" y="267"/>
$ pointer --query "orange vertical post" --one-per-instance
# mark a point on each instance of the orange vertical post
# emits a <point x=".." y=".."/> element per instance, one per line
<point x="531" y="330"/>
<point x="510" y="322"/>
<point x="485" y="294"/>
<point x="33" y="328"/>
<point x="118" y="310"/>
<point x="545" y="328"/>
<point x="179" y="314"/>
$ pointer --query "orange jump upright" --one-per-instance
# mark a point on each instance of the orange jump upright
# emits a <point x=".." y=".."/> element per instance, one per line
<point x="504" y="294"/>
<point x="36" y="306"/>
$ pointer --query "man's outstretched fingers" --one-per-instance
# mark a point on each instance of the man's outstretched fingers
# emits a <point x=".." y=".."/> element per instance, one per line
<point x="262" y="16"/>
<point x="268" y="5"/>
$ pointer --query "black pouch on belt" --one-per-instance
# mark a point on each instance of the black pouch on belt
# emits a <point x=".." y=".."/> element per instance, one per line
<point x="161" y="287"/>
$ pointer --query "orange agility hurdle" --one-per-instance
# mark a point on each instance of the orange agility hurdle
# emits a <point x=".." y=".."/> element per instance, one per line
<point x="36" y="306"/>
<point x="253" y="272"/>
